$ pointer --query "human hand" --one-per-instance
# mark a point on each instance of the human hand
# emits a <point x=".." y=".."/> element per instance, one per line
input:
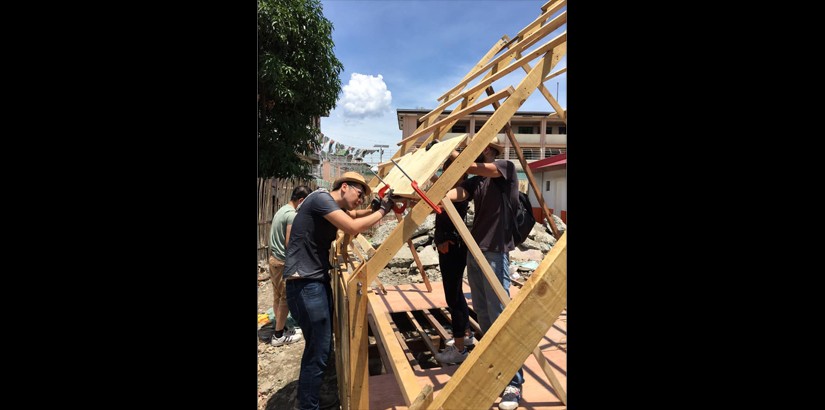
<point x="430" y="145"/>
<point x="444" y="247"/>
<point x="375" y="204"/>
<point x="387" y="203"/>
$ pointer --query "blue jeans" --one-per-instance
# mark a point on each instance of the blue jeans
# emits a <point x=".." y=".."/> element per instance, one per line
<point x="485" y="301"/>
<point x="310" y="302"/>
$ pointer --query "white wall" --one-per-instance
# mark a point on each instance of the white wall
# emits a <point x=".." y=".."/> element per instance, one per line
<point x="556" y="197"/>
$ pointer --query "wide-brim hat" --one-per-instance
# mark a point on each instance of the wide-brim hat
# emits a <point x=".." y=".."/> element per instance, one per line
<point x="497" y="147"/>
<point x="353" y="177"/>
<point x="493" y="144"/>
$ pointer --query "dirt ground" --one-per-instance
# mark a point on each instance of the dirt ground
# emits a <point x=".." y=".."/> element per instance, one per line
<point x="278" y="367"/>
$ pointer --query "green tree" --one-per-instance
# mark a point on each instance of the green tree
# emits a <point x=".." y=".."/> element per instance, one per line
<point x="297" y="81"/>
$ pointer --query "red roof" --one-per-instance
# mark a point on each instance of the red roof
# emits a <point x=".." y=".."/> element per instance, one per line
<point x="556" y="161"/>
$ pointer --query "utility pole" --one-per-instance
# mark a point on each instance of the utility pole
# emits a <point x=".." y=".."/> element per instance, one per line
<point x="381" y="151"/>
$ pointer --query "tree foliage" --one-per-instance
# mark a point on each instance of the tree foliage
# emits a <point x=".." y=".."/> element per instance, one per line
<point x="297" y="81"/>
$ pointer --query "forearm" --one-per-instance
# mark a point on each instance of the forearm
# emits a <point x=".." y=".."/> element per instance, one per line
<point x="359" y="213"/>
<point x="362" y="223"/>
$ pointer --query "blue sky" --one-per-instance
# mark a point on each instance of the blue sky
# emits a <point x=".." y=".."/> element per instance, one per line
<point x="407" y="53"/>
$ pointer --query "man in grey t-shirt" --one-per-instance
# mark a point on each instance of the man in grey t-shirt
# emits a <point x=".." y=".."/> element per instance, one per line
<point x="308" y="290"/>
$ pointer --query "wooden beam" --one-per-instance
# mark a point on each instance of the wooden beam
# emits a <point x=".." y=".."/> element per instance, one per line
<point x="457" y="115"/>
<point x="401" y="370"/>
<point x="477" y="253"/>
<point x="425" y="337"/>
<point x="527" y="171"/>
<point x="482" y="62"/>
<point x="423" y="399"/>
<point x="546" y="93"/>
<point x="555" y="73"/>
<point x="417" y="260"/>
<point x="512" y="67"/>
<point x="496" y="358"/>
<point x="419" y="212"/>
<point x="470" y="97"/>
<point x="340" y="328"/>
<point x="359" y="335"/>
<point x="499" y="290"/>
<point x="360" y="241"/>
<point x="379" y="342"/>
<point x="546" y="12"/>
<point x="436" y="325"/>
<point x="522" y="45"/>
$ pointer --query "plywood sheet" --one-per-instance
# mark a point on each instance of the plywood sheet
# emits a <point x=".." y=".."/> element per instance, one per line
<point x="420" y="166"/>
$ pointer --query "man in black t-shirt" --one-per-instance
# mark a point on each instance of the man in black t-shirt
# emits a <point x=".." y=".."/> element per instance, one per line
<point x="495" y="182"/>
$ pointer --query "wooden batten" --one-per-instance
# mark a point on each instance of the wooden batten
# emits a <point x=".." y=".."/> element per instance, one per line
<point x="398" y="359"/>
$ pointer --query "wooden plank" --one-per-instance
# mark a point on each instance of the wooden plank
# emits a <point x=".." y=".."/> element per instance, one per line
<point x="359" y="354"/>
<point x="423" y="399"/>
<point x="558" y="53"/>
<point x="340" y="328"/>
<point x="425" y="337"/>
<point x="555" y="73"/>
<point x="472" y="246"/>
<point x="468" y="99"/>
<point x="420" y="211"/>
<point x="524" y="44"/>
<point x="527" y="171"/>
<point x="436" y="325"/>
<point x="401" y="368"/>
<point x="365" y="245"/>
<point x="417" y="260"/>
<point x="499" y="290"/>
<point x="458" y="114"/>
<point x="561" y="38"/>
<point x="379" y="341"/>
<point x="480" y="379"/>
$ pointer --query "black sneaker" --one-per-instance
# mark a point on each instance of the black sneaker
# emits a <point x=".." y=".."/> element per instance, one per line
<point x="510" y="398"/>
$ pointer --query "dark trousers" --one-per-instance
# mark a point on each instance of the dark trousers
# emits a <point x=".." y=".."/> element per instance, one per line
<point x="310" y="302"/>
<point x="452" y="272"/>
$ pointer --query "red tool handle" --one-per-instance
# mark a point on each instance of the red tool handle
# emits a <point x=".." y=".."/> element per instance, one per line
<point x="382" y="191"/>
<point x="397" y="209"/>
<point x="424" y="197"/>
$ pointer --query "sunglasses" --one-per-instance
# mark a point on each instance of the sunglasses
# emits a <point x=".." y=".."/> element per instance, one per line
<point x="360" y="191"/>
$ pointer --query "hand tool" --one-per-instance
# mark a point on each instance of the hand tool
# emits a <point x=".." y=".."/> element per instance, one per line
<point x="397" y="209"/>
<point x="418" y="190"/>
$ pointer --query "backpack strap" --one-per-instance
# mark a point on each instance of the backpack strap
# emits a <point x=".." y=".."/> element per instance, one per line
<point x="504" y="197"/>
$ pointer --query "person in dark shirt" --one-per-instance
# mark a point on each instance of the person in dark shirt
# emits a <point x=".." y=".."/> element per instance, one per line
<point x="494" y="181"/>
<point x="452" y="259"/>
<point x="306" y="272"/>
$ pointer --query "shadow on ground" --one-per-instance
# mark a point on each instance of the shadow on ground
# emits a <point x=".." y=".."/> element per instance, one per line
<point x="286" y="397"/>
<point x="283" y="399"/>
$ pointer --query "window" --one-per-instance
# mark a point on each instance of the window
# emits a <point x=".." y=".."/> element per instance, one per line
<point x="459" y="128"/>
<point x="548" y="130"/>
<point x="562" y="130"/>
<point x="547" y="184"/>
<point x="478" y="127"/>
<point x="525" y="129"/>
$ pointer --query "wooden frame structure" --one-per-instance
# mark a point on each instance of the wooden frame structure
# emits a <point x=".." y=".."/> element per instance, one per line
<point x="518" y="330"/>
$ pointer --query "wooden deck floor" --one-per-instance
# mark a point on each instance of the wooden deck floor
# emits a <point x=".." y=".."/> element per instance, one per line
<point x="536" y="391"/>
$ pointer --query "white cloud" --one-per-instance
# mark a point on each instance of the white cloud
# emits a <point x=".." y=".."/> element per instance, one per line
<point x="365" y="96"/>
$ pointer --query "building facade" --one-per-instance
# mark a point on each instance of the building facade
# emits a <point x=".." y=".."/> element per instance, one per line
<point x="541" y="136"/>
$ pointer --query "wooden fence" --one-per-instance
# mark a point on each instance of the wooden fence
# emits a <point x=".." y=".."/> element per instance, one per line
<point x="273" y="193"/>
